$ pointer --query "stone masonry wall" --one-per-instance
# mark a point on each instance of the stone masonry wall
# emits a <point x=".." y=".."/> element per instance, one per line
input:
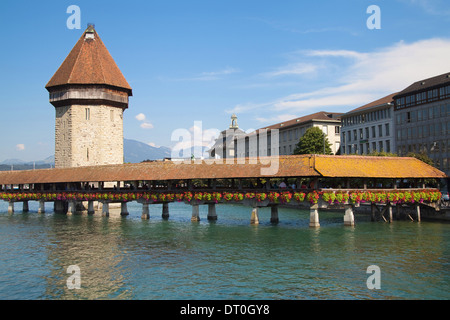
<point x="88" y="136"/>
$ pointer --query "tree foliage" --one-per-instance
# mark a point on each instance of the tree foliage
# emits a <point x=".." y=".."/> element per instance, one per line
<point x="313" y="141"/>
<point x="422" y="157"/>
<point x="382" y="154"/>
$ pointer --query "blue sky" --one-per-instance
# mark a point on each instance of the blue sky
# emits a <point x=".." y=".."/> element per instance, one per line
<point x="191" y="61"/>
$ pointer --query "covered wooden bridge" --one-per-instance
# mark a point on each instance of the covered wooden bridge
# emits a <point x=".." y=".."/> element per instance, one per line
<point x="315" y="181"/>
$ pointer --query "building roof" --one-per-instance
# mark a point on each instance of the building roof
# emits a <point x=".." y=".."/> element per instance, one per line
<point x="426" y="84"/>
<point x="318" y="116"/>
<point x="228" y="135"/>
<point x="375" y="167"/>
<point x="89" y="62"/>
<point x="288" y="166"/>
<point x="374" y="104"/>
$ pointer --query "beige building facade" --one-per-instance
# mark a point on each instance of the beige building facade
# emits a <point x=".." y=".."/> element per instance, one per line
<point x="282" y="138"/>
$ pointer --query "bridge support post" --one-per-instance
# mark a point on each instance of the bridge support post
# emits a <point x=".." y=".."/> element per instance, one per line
<point x="11" y="207"/>
<point x="145" y="211"/>
<point x="314" y="216"/>
<point x="373" y="208"/>
<point x="274" y="214"/>
<point x="349" y="218"/>
<point x="105" y="209"/>
<point x="72" y="208"/>
<point x="254" y="219"/>
<point x="25" y="206"/>
<point x="389" y="208"/>
<point x="91" y="207"/>
<point x="165" y="210"/>
<point x="212" y="215"/>
<point x="418" y="212"/>
<point x="123" y="209"/>
<point x="41" y="208"/>
<point x="195" y="213"/>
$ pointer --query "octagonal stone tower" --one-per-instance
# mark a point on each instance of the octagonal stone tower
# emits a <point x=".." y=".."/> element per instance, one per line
<point x="89" y="94"/>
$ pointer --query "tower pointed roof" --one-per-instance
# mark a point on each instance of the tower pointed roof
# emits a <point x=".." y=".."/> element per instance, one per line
<point x="89" y="62"/>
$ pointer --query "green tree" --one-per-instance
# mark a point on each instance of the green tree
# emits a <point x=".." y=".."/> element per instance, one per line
<point x="422" y="156"/>
<point x="382" y="154"/>
<point x="313" y="141"/>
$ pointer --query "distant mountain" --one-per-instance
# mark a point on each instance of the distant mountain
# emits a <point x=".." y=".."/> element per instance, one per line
<point x="48" y="160"/>
<point x="198" y="152"/>
<point x="135" y="151"/>
<point x="12" y="161"/>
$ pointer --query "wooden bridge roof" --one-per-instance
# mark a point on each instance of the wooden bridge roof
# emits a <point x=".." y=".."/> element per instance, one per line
<point x="288" y="166"/>
<point x="375" y="167"/>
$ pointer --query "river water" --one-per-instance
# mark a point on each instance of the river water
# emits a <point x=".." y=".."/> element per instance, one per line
<point x="229" y="259"/>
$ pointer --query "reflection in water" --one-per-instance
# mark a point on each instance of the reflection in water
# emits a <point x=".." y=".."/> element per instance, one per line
<point x="91" y="243"/>
<point x="128" y="258"/>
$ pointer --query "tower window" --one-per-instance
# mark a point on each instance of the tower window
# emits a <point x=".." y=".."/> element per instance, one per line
<point x="88" y="113"/>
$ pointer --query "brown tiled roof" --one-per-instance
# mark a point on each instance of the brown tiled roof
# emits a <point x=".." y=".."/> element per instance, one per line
<point x="89" y="62"/>
<point x="375" y="167"/>
<point x="160" y="170"/>
<point x="385" y="100"/>
<point x="289" y="166"/>
<point x="318" y="116"/>
<point x="426" y="84"/>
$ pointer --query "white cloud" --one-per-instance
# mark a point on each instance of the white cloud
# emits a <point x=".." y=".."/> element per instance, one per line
<point x="334" y="53"/>
<point x="352" y="79"/>
<point x="225" y="71"/>
<point x="146" y="125"/>
<point x="294" y="69"/>
<point x="207" y="76"/>
<point x="277" y="118"/>
<point x="140" y="117"/>
<point x="20" y="147"/>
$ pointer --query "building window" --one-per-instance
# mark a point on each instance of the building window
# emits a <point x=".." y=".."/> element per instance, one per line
<point x="380" y="130"/>
<point x="373" y="132"/>
<point x="337" y="130"/>
<point x="387" y="129"/>
<point x="367" y="132"/>
<point x="88" y="113"/>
